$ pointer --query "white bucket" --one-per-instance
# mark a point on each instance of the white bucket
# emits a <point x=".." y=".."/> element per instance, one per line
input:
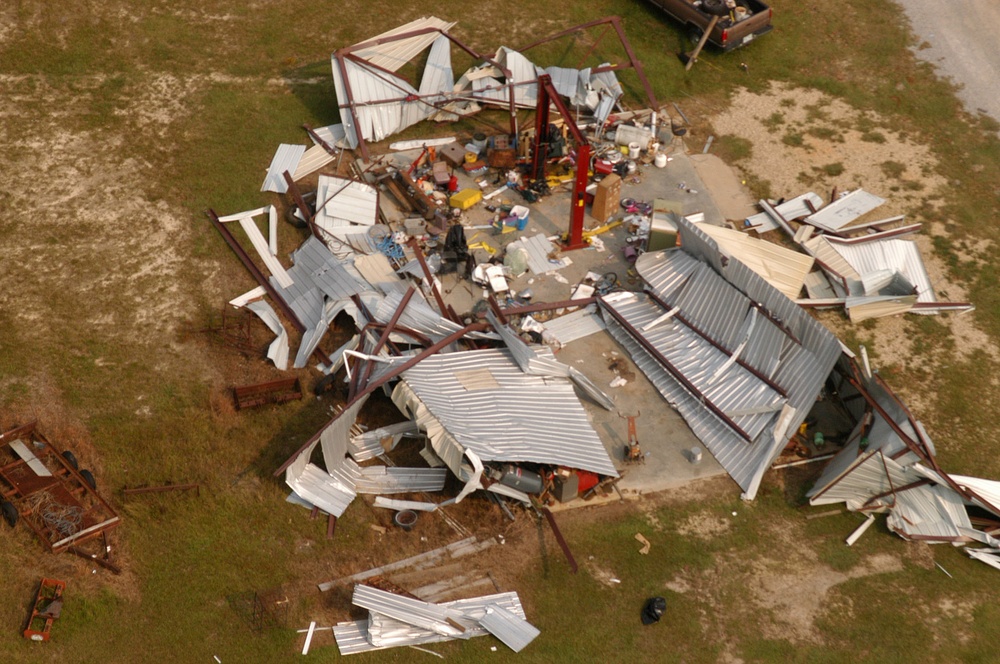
<point x="633" y="150"/>
<point x="660" y="160"/>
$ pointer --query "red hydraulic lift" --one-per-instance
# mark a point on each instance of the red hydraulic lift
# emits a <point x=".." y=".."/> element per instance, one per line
<point x="547" y="96"/>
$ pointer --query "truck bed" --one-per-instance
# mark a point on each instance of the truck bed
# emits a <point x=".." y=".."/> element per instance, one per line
<point x="750" y="20"/>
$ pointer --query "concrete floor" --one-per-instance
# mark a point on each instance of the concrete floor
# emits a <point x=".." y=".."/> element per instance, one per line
<point x="698" y="183"/>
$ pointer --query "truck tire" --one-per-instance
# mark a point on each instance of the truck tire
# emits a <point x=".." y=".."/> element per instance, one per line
<point x="325" y="384"/>
<point x="71" y="459"/>
<point x="694" y="34"/>
<point x="10" y="513"/>
<point x="88" y="477"/>
<point x="294" y="219"/>
<point x="715" y="7"/>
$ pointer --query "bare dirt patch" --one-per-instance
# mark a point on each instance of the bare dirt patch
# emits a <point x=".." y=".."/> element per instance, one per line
<point x="803" y="140"/>
<point x="704" y="525"/>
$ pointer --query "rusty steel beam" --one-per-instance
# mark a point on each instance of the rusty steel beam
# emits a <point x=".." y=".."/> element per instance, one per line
<point x="429" y="279"/>
<point x="162" y="489"/>
<point x="544" y="306"/>
<point x="678" y="375"/>
<point x="331" y="526"/>
<point x="350" y="103"/>
<point x="92" y="557"/>
<point x="255" y="271"/>
<point x="560" y="539"/>
<point x="385" y="378"/>
<point x="384" y="337"/>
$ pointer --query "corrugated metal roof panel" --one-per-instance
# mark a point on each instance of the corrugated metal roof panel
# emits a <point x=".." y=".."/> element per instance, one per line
<point x="526" y="418"/>
<point x="286" y="158"/>
<point x="368" y="445"/>
<point x="717" y="295"/>
<point x="326" y="271"/>
<point x="314" y="159"/>
<point x="928" y="513"/>
<point x="377" y="271"/>
<point x="354" y="637"/>
<point x="384" y="480"/>
<point x="893" y="254"/>
<point x="394" y="54"/>
<point x="783" y="268"/>
<point x="438" y="75"/>
<point x="514" y="631"/>
<point x="322" y="490"/>
<point x="566" y="81"/>
<point x="575" y="325"/>
<point x="741" y="460"/>
<point x="728" y="386"/>
<point x="863" y="478"/>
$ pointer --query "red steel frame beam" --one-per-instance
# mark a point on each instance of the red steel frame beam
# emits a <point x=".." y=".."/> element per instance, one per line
<point x="615" y="22"/>
<point x="547" y="95"/>
<point x="560" y="539"/>
<point x="384" y="337"/>
<point x="429" y="278"/>
<point x="678" y="375"/>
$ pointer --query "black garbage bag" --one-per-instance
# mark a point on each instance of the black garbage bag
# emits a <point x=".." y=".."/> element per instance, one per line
<point x="653" y="609"/>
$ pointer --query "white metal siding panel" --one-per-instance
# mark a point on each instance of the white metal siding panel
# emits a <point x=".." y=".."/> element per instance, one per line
<point x="314" y="159"/>
<point x="394" y="54"/>
<point x="286" y="158"/>
<point x="844" y="210"/>
<point x="514" y="631"/>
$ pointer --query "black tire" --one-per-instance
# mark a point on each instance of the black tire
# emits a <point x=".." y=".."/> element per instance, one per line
<point x="293" y="219"/>
<point x="715" y="7"/>
<point x="10" y="513"/>
<point x="325" y="384"/>
<point x="71" y="459"/>
<point x="694" y="34"/>
<point x="88" y="477"/>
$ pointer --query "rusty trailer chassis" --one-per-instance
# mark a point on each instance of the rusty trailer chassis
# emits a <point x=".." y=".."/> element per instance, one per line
<point x="61" y="508"/>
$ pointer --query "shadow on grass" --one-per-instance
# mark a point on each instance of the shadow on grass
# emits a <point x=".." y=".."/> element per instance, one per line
<point x="312" y="84"/>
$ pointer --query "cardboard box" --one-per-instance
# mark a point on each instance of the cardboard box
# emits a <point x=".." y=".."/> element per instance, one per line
<point x="607" y="198"/>
<point x="465" y="199"/>
<point x="453" y="153"/>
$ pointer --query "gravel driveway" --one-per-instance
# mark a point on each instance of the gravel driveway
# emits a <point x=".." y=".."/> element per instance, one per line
<point x="963" y="46"/>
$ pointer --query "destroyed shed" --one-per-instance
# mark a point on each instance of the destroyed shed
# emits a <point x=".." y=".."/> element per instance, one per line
<point x="741" y="362"/>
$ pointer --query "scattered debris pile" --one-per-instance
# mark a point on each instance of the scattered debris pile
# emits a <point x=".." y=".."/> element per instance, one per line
<point x="868" y="267"/>
<point x="888" y="466"/>
<point x="376" y="102"/>
<point x="398" y="620"/>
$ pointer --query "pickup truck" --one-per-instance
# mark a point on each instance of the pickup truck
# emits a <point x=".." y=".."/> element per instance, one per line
<point x="740" y="22"/>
